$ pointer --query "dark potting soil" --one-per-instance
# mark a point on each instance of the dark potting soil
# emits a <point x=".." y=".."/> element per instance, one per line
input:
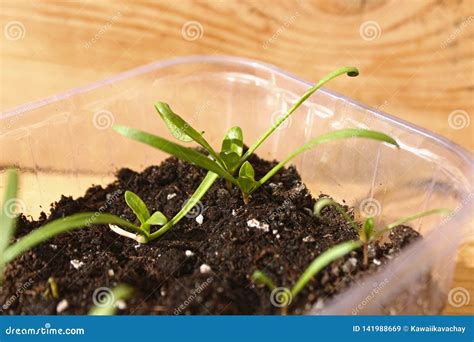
<point x="203" y="264"/>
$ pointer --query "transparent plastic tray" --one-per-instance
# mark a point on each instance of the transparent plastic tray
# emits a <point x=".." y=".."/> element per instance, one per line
<point x="64" y="143"/>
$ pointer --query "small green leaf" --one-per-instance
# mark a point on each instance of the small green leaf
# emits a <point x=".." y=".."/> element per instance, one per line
<point x="322" y="261"/>
<point x="60" y="226"/>
<point x="174" y="122"/>
<point x="182" y="130"/>
<point x="7" y="217"/>
<point x="403" y="220"/>
<point x="335" y="135"/>
<point x="138" y="207"/>
<point x="233" y="141"/>
<point x="368" y="230"/>
<point x="230" y="159"/>
<point x="323" y="202"/>
<point x="53" y="289"/>
<point x="110" y="299"/>
<point x="258" y="277"/>
<point x="246" y="178"/>
<point x="232" y="148"/>
<point x="157" y="219"/>
<point x="181" y="152"/>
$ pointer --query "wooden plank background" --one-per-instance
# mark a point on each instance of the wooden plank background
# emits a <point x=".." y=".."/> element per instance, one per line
<point x="415" y="57"/>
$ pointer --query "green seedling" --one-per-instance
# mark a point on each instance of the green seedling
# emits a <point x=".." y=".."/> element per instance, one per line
<point x="142" y="233"/>
<point x="142" y="213"/>
<point x="283" y="296"/>
<point x="8" y="220"/>
<point x="52" y="291"/>
<point x="367" y="232"/>
<point x="231" y="159"/>
<point x="110" y="301"/>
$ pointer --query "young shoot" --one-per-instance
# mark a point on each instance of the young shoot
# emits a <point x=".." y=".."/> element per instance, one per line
<point x="367" y="232"/>
<point x="142" y="234"/>
<point x="142" y="213"/>
<point x="231" y="159"/>
<point x="283" y="296"/>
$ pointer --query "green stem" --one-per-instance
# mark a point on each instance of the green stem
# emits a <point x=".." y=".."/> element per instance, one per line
<point x="59" y="226"/>
<point x="409" y="218"/>
<point x="206" y="183"/>
<point x="335" y="135"/>
<point x="350" y="71"/>
<point x="322" y="261"/>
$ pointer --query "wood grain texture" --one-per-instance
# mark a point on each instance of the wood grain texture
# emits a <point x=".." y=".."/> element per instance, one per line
<point x="415" y="57"/>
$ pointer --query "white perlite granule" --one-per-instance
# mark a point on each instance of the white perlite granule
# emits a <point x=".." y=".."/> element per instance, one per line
<point x="205" y="268"/>
<point x="253" y="223"/>
<point x="170" y="196"/>
<point x="62" y="305"/>
<point x="77" y="264"/>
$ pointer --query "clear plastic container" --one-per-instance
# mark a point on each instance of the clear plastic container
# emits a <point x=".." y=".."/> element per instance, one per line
<point x="63" y="144"/>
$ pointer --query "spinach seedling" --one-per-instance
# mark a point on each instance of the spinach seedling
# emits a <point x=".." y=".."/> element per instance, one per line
<point x="367" y="232"/>
<point x="142" y="213"/>
<point x="283" y="296"/>
<point x="231" y="158"/>
<point x="8" y="219"/>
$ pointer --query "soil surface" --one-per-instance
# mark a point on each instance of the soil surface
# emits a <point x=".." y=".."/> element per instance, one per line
<point x="203" y="264"/>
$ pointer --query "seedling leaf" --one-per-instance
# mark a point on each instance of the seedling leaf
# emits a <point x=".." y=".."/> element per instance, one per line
<point x="60" y="226"/>
<point x="367" y="230"/>
<point x="174" y="122"/>
<point x="137" y="205"/>
<point x="335" y="135"/>
<point x="322" y="261"/>
<point x="350" y="71"/>
<point x="7" y="219"/>
<point x="258" y="277"/>
<point x="158" y="219"/>
<point x="181" y="152"/>
<point x="403" y="220"/>
<point x="323" y="202"/>
<point x="233" y="141"/>
<point x="232" y="148"/>
<point x="181" y="129"/>
<point x="246" y="178"/>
